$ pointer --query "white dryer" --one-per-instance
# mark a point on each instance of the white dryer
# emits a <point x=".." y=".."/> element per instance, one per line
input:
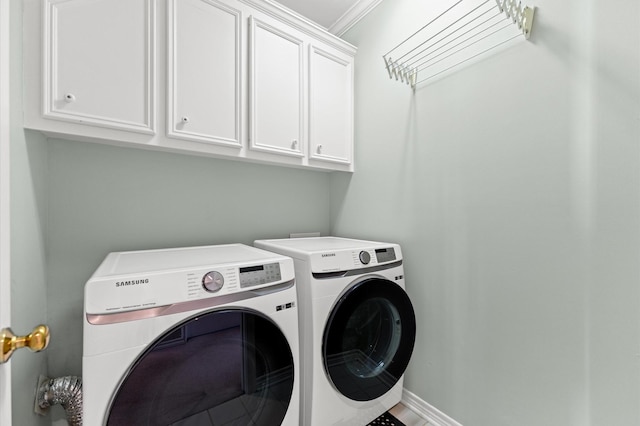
<point x="357" y="327"/>
<point x="191" y="336"/>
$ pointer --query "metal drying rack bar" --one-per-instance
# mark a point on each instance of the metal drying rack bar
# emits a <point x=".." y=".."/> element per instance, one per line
<point x="457" y="35"/>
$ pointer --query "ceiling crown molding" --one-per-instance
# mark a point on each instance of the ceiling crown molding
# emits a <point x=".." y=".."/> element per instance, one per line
<point x="352" y="16"/>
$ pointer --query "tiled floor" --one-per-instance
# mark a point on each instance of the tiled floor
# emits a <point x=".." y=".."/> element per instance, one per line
<point x="408" y="417"/>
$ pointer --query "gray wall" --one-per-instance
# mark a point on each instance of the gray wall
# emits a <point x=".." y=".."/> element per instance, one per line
<point x="28" y="238"/>
<point x="104" y="199"/>
<point x="74" y="202"/>
<point x="513" y="186"/>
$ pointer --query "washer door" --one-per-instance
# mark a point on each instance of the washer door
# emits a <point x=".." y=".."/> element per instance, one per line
<point x="368" y="339"/>
<point x="215" y="368"/>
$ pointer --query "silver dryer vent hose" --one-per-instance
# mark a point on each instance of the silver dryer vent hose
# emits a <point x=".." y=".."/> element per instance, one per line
<point x="66" y="391"/>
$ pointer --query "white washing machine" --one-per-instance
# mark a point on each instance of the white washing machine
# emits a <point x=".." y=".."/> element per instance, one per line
<point x="357" y="327"/>
<point x="192" y="336"/>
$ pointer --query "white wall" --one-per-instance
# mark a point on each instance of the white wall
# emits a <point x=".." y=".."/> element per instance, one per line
<point x="513" y="186"/>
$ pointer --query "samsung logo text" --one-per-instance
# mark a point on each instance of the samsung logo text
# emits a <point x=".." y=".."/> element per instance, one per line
<point x="132" y="282"/>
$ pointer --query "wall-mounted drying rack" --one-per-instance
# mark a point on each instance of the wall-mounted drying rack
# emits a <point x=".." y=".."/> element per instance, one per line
<point x="461" y="33"/>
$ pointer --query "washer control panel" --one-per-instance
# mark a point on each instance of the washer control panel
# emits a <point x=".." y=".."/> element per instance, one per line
<point x="364" y="257"/>
<point x="336" y="254"/>
<point x="374" y="256"/>
<point x="347" y="260"/>
<point x="385" y="255"/>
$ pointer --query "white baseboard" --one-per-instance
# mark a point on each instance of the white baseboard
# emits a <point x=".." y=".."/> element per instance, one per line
<point x="427" y="411"/>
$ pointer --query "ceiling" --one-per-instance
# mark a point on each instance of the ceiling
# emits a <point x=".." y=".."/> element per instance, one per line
<point x="335" y="15"/>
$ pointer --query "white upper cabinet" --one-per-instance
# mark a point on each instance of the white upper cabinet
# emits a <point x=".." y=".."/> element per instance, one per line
<point x="276" y="99"/>
<point x="98" y="63"/>
<point x="236" y="79"/>
<point x="330" y="106"/>
<point x="204" y="71"/>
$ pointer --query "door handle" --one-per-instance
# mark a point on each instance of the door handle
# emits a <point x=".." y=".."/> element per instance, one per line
<point x="37" y="340"/>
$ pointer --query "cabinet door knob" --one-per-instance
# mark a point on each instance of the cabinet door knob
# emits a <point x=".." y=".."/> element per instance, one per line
<point x="319" y="149"/>
<point x="185" y="119"/>
<point x="294" y="144"/>
<point x="37" y="340"/>
<point x="69" y="97"/>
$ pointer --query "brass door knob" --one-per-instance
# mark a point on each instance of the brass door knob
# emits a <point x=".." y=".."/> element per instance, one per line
<point x="36" y="341"/>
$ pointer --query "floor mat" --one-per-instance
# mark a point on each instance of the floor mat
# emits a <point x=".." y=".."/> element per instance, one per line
<point x="386" y="420"/>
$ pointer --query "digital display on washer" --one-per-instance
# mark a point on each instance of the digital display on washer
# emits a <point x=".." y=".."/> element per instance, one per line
<point x="260" y="274"/>
<point x="385" y="255"/>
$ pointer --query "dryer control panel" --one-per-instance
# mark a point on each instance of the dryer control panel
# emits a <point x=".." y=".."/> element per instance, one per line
<point x="260" y="274"/>
<point x="249" y="276"/>
<point x="143" y="280"/>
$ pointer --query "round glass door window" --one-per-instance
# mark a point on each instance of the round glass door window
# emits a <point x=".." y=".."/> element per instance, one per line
<point x="222" y="367"/>
<point x="368" y="339"/>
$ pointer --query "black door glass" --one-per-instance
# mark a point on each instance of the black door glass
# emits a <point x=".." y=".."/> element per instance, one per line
<point x="368" y="339"/>
<point x="231" y="367"/>
<point x="372" y="334"/>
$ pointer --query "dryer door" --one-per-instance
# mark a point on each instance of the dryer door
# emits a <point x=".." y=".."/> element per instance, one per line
<point x="215" y="368"/>
<point x="368" y="339"/>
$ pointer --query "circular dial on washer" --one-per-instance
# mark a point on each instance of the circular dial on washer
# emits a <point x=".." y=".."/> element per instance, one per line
<point x="213" y="281"/>
<point x="365" y="257"/>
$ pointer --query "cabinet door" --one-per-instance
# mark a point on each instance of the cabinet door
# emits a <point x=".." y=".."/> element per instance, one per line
<point x="99" y="62"/>
<point x="276" y="90"/>
<point x="204" y="71"/>
<point x="330" y="106"/>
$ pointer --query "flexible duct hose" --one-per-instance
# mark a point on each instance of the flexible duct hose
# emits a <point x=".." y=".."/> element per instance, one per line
<point x="66" y="391"/>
